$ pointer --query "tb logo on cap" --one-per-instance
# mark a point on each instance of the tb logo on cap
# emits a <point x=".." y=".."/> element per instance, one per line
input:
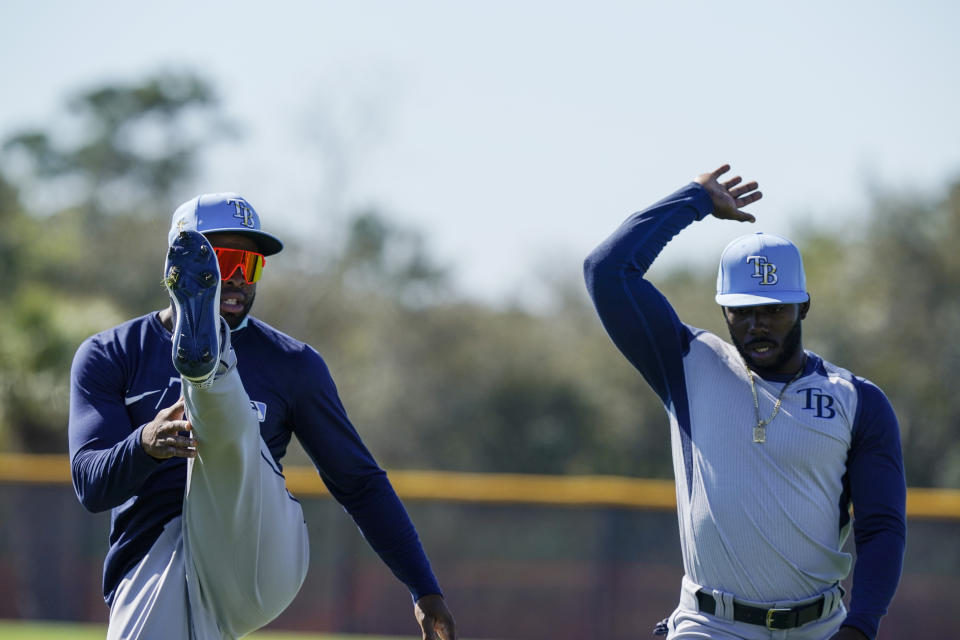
<point x="765" y="271"/>
<point x="243" y="212"/>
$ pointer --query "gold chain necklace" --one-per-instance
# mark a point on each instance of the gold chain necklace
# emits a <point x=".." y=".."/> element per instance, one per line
<point x="760" y="431"/>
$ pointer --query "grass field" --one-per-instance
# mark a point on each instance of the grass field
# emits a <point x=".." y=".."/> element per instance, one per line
<point x="21" y="630"/>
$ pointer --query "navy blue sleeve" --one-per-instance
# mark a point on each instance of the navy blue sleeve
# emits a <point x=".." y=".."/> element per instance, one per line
<point x="355" y="479"/>
<point x="878" y="491"/>
<point x="107" y="462"/>
<point x="638" y="318"/>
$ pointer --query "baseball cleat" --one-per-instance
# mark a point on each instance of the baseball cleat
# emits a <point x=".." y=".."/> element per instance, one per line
<point x="192" y="278"/>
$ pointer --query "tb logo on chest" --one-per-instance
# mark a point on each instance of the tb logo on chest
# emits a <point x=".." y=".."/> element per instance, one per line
<point x="821" y="403"/>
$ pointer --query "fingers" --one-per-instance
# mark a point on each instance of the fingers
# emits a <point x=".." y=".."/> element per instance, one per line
<point x="177" y="434"/>
<point x="436" y="621"/>
<point x="739" y="191"/>
<point x="174" y="427"/>
<point x="732" y="182"/>
<point x="438" y="629"/>
<point x="429" y="633"/>
<point x="446" y="630"/>
<point x="176" y="410"/>
<point x="170" y="439"/>
<point x="179" y="447"/>
<point x="747" y="199"/>
<point x="719" y="171"/>
<point x="742" y="196"/>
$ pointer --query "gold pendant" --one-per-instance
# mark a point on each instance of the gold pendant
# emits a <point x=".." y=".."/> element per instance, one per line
<point x="760" y="434"/>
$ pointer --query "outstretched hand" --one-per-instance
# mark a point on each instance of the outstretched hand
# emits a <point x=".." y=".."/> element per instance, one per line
<point x="436" y="621"/>
<point x="727" y="197"/>
<point x="169" y="435"/>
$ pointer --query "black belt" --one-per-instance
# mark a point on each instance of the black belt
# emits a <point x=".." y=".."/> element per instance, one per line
<point x="770" y="618"/>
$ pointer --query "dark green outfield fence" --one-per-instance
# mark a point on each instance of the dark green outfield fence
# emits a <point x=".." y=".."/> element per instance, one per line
<point x="529" y="557"/>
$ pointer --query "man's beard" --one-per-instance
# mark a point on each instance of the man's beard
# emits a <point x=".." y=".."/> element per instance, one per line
<point x="791" y="344"/>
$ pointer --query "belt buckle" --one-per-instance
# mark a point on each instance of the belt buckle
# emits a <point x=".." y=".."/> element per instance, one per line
<point x="772" y="624"/>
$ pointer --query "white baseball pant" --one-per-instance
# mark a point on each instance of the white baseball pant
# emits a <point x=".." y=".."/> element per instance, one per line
<point x="688" y="623"/>
<point x="239" y="553"/>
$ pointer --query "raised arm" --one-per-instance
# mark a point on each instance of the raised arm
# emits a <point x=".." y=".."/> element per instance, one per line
<point x="639" y="320"/>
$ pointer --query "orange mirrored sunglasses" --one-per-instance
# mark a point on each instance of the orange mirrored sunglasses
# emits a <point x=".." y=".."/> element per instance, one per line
<point x="250" y="263"/>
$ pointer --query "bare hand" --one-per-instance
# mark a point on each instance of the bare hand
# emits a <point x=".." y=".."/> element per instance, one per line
<point x="849" y="633"/>
<point x="163" y="437"/>
<point x="727" y="197"/>
<point x="436" y="621"/>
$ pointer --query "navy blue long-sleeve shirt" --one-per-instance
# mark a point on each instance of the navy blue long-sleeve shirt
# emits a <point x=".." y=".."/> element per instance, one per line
<point x="122" y="377"/>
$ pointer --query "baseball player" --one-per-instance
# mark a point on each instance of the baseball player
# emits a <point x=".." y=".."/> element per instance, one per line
<point x="771" y="443"/>
<point x="178" y="422"/>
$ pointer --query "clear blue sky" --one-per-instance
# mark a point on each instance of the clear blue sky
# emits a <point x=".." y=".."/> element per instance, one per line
<point x="516" y="135"/>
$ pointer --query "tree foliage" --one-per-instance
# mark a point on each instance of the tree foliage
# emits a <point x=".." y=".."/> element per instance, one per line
<point x="886" y="304"/>
<point x="431" y="378"/>
<point x="74" y="267"/>
<point x="124" y="146"/>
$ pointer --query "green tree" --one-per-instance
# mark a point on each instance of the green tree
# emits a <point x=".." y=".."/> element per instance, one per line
<point x="139" y="142"/>
<point x="79" y="265"/>
<point x="886" y="303"/>
<point x="435" y="381"/>
<point x="431" y="379"/>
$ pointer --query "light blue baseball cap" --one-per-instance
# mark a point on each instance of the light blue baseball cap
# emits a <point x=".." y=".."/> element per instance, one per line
<point x="761" y="268"/>
<point x="212" y="212"/>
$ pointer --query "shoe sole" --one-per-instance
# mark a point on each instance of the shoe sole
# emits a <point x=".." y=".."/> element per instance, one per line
<point x="192" y="277"/>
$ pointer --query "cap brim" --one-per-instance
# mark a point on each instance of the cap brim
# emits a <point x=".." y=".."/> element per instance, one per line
<point x="267" y="243"/>
<point x="753" y="300"/>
